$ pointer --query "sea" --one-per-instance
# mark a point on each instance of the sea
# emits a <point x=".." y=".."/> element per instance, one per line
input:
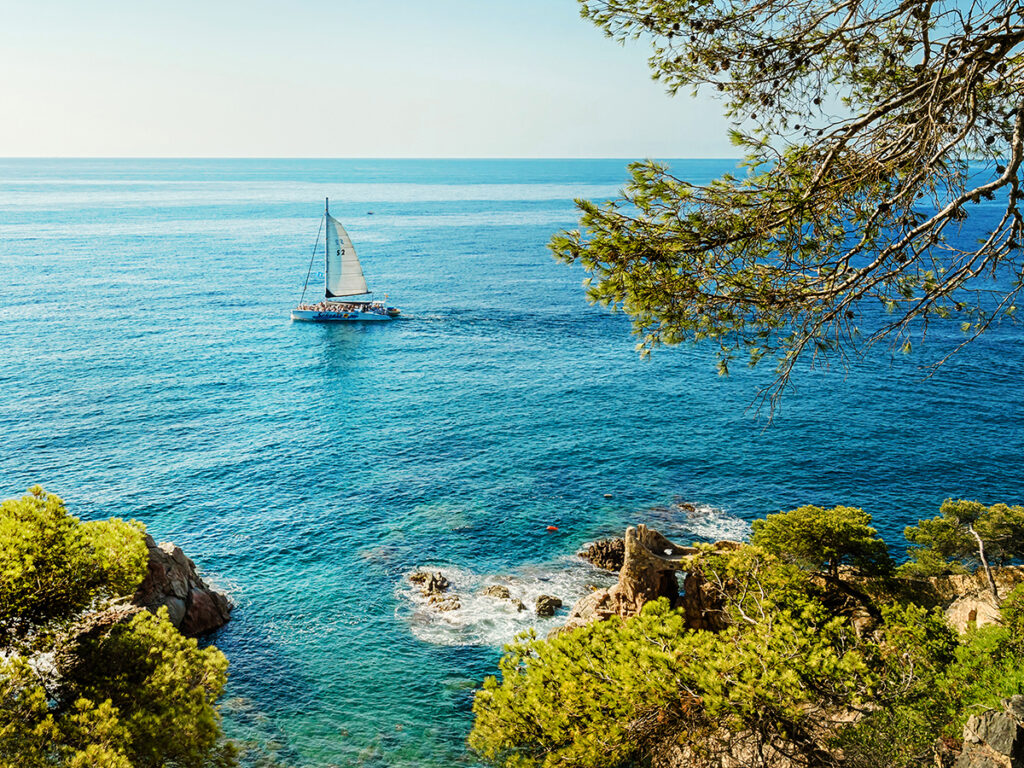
<point x="150" y="370"/>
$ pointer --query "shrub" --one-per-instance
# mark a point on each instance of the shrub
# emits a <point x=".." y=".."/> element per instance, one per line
<point x="820" y="539"/>
<point x="52" y="566"/>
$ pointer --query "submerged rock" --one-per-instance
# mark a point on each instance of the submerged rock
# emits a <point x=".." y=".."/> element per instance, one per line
<point x="172" y="582"/>
<point x="546" y="605"/>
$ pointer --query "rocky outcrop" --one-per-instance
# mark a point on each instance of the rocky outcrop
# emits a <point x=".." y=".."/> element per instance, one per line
<point x="995" y="739"/>
<point x="649" y="566"/>
<point x="546" y="605"/>
<point x="172" y="582"/>
<point x="721" y="748"/>
<point x="649" y="563"/>
<point x="497" y="591"/>
<point x="608" y="554"/>
<point x="430" y="583"/>
<point x="966" y="599"/>
<point x="434" y="586"/>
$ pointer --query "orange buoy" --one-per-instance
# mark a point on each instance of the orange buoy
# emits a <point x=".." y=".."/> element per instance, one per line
<point x="552" y="527"/>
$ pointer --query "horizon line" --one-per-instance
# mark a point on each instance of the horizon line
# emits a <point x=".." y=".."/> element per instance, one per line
<point x="310" y="157"/>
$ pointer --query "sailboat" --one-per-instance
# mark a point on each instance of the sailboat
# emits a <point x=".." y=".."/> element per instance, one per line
<point x="344" y="284"/>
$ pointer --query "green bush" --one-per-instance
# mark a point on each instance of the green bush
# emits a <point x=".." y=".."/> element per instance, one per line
<point x="129" y="694"/>
<point x="948" y="543"/>
<point x="139" y="695"/>
<point x="787" y="671"/>
<point x="52" y="566"/>
<point x="820" y="539"/>
<point x="601" y="695"/>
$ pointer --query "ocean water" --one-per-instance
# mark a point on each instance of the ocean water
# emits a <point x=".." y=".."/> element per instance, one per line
<point x="150" y="370"/>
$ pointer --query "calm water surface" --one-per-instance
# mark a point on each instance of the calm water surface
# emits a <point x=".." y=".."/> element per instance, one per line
<point x="150" y="370"/>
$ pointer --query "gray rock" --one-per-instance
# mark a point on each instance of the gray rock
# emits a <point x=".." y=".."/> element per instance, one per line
<point x="498" y="591"/>
<point x="995" y="739"/>
<point x="546" y="605"/>
<point x="518" y="604"/>
<point x="176" y="609"/>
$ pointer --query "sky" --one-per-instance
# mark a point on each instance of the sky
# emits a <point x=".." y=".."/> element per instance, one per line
<point x="333" y="78"/>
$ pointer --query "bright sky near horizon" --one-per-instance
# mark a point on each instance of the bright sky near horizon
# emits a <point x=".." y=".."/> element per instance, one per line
<point x="333" y="78"/>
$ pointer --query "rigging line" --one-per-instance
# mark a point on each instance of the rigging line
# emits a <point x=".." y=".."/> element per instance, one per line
<point x="312" y="256"/>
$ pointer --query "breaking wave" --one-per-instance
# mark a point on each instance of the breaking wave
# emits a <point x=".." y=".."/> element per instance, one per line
<point x="682" y="520"/>
<point x="485" y="620"/>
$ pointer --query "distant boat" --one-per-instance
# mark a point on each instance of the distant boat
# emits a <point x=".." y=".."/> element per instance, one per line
<point x="343" y="278"/>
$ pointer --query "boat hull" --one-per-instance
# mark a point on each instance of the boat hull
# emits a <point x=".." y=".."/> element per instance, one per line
<point x="350" y="316"/>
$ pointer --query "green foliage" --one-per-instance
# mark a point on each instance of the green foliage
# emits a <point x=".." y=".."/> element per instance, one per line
<point x="139" y="695"/>
<point x="786" y="671"/>
<point x="118" y="554"/>
<point x="27" y="729"/>
<point x="52" y="566"/>
<point x="948" y="544"/>
<point x="162" y="677"/>
<point x="850" y="191"/>
<point x="1012" y="609"/>
<point x="905" y="716"/>
<point x="824" y="539"/>
<point x="600" y="695"/>
<point x="134" y="694"/>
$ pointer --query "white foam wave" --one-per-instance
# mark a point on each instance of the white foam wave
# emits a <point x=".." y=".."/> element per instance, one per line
<point x="682" y="519"/>
<point x="484" y="620"/>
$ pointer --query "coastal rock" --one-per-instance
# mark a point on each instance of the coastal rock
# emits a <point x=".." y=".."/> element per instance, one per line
<point x="965" y="599"/>
<point x="497" y="591"/>
<point x="701" y="605"/>
<point x="445" y="602"/>
<point x="648" y="572"/>
<point x="995" y="739"/>
<point x="430" y="583"/>
<point x="546" y="605"/>
<point x="608" y="554"/>
<point x="434" y="586"/>
<point x="172" y="581"/>
<point x="590" y="608"/>
<point x="722" y="748"/>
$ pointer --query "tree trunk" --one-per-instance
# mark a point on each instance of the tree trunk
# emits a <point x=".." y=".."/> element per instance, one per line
<point x="984" y="563"/>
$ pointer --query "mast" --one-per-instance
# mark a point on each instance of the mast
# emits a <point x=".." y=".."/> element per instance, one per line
<point x="327" y="255"/>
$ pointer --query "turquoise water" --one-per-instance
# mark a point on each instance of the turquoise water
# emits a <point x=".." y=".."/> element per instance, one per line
<point x="150" y="370"/>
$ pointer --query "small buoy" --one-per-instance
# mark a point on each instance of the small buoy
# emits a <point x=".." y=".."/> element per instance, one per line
<point x="607" y="495"/>
<point x="552" y="527"/>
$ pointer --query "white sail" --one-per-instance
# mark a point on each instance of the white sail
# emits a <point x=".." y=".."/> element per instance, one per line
<point x="344" y="273"/>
